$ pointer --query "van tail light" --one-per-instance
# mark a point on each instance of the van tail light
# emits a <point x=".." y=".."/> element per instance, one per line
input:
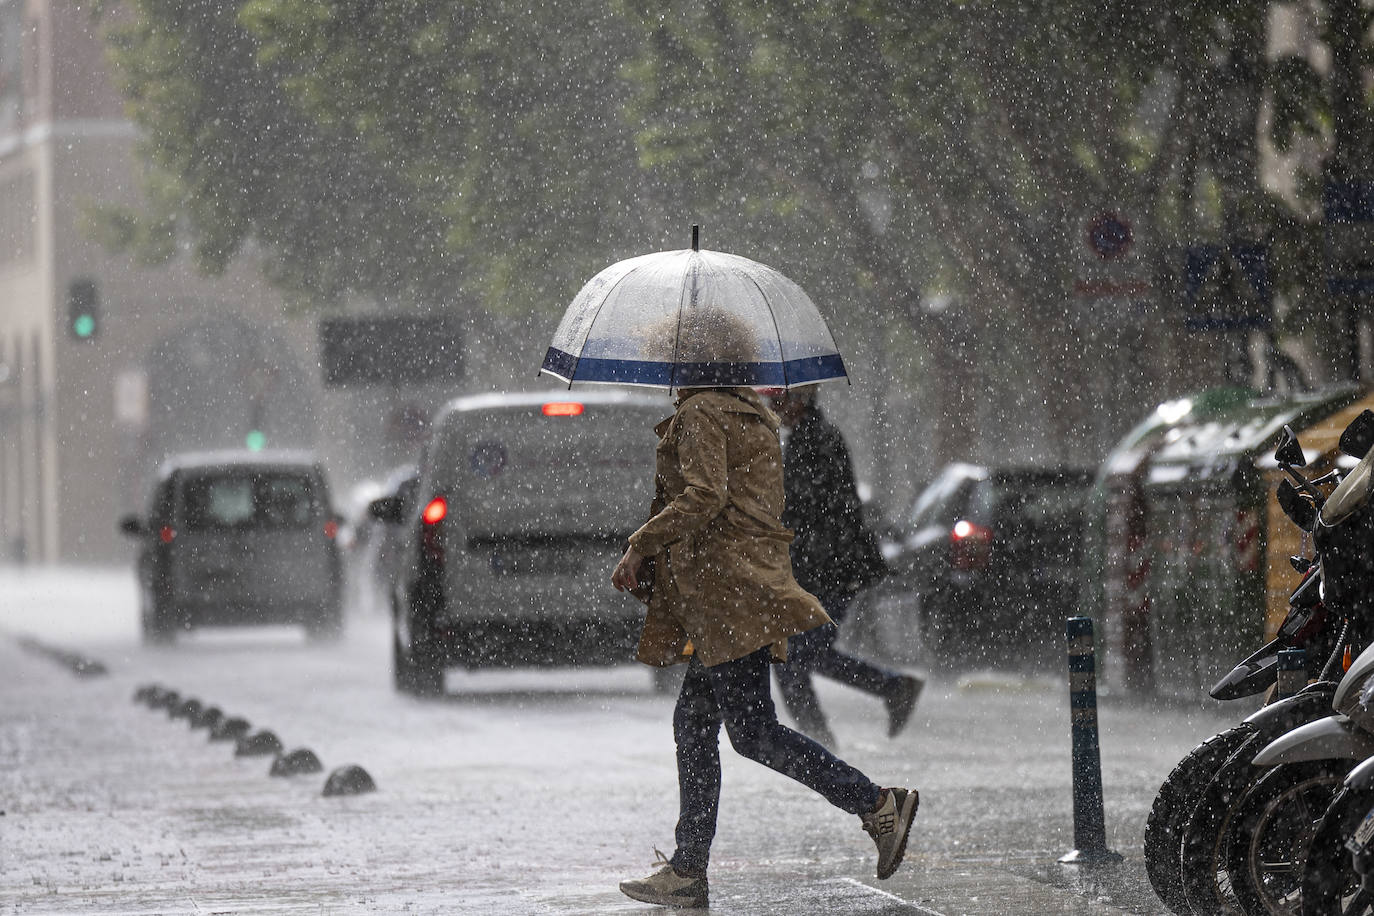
<point x="331" y="529"/>
<point x="971" y="545"/>
<point x="166" y="534"/>
<point x="563" y="409"/>
<point x="435" y="511"/>
<point x="431" y="545"/>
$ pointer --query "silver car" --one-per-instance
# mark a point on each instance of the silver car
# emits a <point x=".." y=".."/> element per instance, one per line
<point x="238" y="538"/>
<point x="522" y="508"/>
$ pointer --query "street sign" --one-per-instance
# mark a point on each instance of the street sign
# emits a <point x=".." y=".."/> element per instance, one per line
<point x="1227" y="288"/>
<point x="1110" y="269"/>
<point x="1109" y="235"/>
<point x="131" y="398"/>
<point x="1348" y="208"/>
<point x="391" y="349"/>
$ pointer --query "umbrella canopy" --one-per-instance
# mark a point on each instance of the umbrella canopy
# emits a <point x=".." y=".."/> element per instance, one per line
<point x="689" y="319"/>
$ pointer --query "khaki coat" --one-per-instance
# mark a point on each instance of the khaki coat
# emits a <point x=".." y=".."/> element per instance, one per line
<point x="722" y="575"/>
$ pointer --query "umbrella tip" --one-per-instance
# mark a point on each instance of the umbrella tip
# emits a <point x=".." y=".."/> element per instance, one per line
<point x="696" y="237"/>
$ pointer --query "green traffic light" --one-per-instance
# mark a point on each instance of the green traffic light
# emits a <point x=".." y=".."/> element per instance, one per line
<point x="255" y="440"/>
<point x="83" y="325"/>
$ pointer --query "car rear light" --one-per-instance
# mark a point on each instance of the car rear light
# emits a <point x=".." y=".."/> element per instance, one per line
<point x="971" y="545"/>
<point x="435" y="511"/>
<point x="563" y="409"/>
<point x="166" y="534"/>
<point x="331" y="529"/>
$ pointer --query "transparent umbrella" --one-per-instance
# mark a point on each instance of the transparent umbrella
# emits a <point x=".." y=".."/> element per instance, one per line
<point x="692" y="318"/>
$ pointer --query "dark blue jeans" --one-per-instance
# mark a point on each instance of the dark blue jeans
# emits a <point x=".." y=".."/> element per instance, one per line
<point x="736" y="693"/>
<point x="814" y="651"/>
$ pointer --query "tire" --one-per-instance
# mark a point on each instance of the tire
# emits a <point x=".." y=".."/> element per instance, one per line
<point x="1175" y="802"/>
<point x="158" y="619"/>
<point x="1204" y="843"/>
<point x="1328" y="878"/>
<point x="1273" y="831"/>
<point x="418" y="674"/>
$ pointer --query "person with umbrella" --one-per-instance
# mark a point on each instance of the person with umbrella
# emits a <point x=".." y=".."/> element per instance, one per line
<point x="723" y="599"/>
<point x="834" y="556"/>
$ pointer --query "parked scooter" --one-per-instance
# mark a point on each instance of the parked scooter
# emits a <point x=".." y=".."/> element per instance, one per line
<point x="1338" y="877"/>
<point x="1307" y="627"/>
<point x="1248" y="839"/>
<point x="1338" y="874"/>
<point x="1191" y="815"/>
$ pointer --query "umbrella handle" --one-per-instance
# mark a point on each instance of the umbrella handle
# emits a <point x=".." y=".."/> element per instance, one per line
<point x="696" y="237"/>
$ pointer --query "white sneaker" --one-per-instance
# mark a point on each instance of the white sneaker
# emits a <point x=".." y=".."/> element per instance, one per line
<point x="666" y="887"/>
<point x="889" y="826"/>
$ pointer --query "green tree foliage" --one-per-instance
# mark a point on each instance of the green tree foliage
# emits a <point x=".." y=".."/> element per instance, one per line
<point x="877" y="150"/>
<point x="413" y="149"/>
<point x="989" y="128"/>
<point x="233" y="156"/>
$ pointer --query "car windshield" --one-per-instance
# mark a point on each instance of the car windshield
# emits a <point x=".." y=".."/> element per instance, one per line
<point x="249" y="500"/>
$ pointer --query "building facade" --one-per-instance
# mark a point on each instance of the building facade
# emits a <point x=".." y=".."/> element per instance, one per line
<point x="168" y="358"/>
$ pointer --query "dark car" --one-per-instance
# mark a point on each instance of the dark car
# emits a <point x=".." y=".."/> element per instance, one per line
<point x="238" y="538"/>
<point x="985" y="566"/>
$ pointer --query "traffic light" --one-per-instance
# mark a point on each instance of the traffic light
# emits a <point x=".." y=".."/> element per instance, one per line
<point x="83" y="309"/>
<point x="255" y="441"/>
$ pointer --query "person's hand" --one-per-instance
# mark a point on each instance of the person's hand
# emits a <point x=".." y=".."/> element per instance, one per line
<point x="626" y="573"/>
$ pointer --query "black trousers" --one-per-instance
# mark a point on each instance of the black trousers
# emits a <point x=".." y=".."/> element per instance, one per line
<point x="736" y="694"/>
<point x="815" y="652"/>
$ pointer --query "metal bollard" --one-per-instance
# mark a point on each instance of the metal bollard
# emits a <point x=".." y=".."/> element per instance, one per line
<point x="1089" y="829"/>
<point x="1292" y="673"/>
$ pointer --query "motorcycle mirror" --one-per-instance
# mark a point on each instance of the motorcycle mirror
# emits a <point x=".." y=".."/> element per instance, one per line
<point x="1297" y="507"/>
<point x="1247" y="679"/>
<point x="1358" y="437"/>
<point x="1301" y="564"/>
<point x="1289" y="450"/>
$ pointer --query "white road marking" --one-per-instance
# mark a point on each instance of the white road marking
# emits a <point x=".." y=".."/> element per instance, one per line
<point x="924" y="911"/>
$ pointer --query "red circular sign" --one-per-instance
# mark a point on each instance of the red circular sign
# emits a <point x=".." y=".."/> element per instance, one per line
<point x="1109" y="235"/>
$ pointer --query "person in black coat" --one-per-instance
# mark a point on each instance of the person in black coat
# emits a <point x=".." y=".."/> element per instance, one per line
<point x="834" y="556"/>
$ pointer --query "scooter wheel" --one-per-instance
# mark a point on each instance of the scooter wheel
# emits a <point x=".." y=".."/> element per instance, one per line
<point x="1208" y="830"/>
<point x="1177" y="798"/>
<point x="1273" y="831"/>
<point x="1329" y="881"/>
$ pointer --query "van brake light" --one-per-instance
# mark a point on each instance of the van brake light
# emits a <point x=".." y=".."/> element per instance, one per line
<point x="435" y="511"/>
<point x="563" y="409"/>
<point x="971" y="543"/>
<point x="166" y="534"/>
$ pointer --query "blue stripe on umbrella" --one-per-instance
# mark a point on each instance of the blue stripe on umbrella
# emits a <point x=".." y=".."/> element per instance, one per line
<point x="690" y="375"/>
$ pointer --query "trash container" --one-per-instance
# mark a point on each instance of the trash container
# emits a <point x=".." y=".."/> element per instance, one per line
<point x="1187" y="567"/>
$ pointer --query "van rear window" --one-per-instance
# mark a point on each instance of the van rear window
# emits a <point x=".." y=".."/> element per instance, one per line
<point x="521" y="472"/>
<point x="249" y="501"/>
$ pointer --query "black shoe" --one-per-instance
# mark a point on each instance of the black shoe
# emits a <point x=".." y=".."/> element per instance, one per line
<point x="901" y="703"/>
<point x="666" y="887"/>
